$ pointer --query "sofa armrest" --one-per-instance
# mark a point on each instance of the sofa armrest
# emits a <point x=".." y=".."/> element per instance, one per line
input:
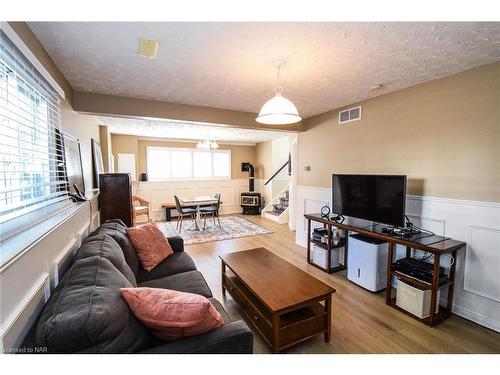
<point x="231" y="338"/>
<point x="177" y="243"/>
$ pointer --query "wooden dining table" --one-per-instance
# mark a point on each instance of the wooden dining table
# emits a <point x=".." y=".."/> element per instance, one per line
<point x="198" y="201"/>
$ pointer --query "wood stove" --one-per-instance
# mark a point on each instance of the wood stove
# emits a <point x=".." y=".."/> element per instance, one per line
<point x="250" y="201"/>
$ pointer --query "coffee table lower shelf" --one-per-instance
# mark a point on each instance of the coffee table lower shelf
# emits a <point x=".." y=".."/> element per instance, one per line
<point x="281" y="329"/>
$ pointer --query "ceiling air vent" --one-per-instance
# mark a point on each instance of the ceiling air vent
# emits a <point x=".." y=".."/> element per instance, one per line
<point x="351" y="114"/>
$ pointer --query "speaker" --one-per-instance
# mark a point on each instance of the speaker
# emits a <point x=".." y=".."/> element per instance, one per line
<point x="143" y="177"/>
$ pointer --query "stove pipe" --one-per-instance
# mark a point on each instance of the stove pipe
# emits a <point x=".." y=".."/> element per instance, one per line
<point x="248" y="167"/>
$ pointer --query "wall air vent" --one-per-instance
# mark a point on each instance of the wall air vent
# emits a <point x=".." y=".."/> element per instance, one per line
<point x="351" y="114"/>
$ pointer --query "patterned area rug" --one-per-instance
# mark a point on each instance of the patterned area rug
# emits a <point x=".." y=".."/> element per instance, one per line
<point x="231" y="227"/>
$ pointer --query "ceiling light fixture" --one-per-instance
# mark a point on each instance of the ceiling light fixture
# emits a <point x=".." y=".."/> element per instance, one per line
<point x="207" y="145"/>
<point x="148" y="48"/>
<point x="278" y="110"/>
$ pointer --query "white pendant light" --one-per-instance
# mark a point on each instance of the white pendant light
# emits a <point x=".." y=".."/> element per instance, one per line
<point x="278" y="110"/>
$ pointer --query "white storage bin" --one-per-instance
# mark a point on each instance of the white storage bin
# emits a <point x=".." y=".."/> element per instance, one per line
<point x="415" y="300"/>
<point x="320" y="257"/>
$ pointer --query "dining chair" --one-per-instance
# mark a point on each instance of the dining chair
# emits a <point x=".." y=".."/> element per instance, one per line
<point x="183" y="211"/>
<point x="212" y="210"/>
<point x="141" y="207"/>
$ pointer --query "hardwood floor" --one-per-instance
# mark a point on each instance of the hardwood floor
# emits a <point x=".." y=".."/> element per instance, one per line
<point x="361" y="321"/>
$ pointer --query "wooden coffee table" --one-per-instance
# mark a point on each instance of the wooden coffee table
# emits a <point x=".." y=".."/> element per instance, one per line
<point x="282" y="301"/>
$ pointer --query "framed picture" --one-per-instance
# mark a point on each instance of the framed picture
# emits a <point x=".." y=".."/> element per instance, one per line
<point x="97" y="162"/>
<point x="73" y="163"/>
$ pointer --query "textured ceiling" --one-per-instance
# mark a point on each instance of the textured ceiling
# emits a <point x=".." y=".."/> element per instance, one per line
<point x="229" y="65"/>
<point x="187" y="130"/>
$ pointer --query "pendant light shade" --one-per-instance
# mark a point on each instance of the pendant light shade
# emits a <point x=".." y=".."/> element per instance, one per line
<point x="278" y="110"/>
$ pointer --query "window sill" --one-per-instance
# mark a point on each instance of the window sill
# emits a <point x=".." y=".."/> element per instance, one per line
<point x="16" y="246"/>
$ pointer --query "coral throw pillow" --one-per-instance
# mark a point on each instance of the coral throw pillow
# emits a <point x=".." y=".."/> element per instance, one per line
<point x="172" y="314"/>
<point x="150" y="244"/>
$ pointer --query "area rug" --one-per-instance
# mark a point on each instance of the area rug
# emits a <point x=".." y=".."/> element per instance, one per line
<point x="231" y="227"/>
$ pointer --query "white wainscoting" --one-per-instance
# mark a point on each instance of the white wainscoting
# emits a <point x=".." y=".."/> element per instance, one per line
<point x="157" y="193"/>
<point x="477" y="284"/>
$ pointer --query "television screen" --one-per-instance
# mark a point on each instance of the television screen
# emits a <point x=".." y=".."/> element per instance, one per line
<point x="379" y="198"/>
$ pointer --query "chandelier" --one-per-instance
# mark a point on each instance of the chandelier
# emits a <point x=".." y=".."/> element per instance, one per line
<point x="207" y="144"/>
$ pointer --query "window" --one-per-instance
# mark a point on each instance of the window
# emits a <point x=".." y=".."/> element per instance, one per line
<point x="202" y="164"/>
<point x="187" y="164"/>
<point x="180" y="163"/>
<point x="32" y="172"/>
<point x="221" y="163"/>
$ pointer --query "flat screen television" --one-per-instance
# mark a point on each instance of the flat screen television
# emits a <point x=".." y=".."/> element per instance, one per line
<point x="378" y="198"/>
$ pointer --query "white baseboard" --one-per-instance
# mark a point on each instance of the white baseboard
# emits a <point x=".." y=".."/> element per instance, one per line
<point x="477" y="318"/>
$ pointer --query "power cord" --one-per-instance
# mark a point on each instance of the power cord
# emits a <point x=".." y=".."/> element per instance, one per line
<point x="427" y="256"/>
<point x="411" y="225"/>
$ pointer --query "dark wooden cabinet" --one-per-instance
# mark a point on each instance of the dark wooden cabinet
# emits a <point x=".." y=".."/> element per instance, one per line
<point x="115" y="197"/>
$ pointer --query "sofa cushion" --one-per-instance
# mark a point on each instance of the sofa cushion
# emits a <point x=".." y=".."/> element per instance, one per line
<point x="220" y="309"/>
<point x="172" y="314"/>
<point x="105" y="246"/>
<point x="176" y="242"/>
<point x="116" y="221"/>
<point x="119" y="234"/>
<point x="190" y="282"/>
<point x="86" y="313"/>
<point x="174" y="264"/>
<point x="155" y="341"/>
<point x="150" y="244"/>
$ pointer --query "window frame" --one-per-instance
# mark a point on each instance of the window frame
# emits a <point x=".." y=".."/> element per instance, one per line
<point x="21" y="227"/>
<point x="192" y="177"/>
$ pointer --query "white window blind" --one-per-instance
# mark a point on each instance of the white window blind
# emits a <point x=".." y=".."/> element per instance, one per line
<point x="32" y="169"/>
<point x="166" y="163"/>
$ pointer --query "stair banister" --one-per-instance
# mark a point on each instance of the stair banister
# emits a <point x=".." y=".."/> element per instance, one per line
<point x="276" y="173"/>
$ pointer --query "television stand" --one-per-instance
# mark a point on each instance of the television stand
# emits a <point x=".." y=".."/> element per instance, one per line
<point x="433" y="244"/>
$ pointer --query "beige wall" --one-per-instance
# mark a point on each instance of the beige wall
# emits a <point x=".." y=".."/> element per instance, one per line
<point x="129" y="144"/>
<point x="264" y="159"/>
<point x="443" y="134"/>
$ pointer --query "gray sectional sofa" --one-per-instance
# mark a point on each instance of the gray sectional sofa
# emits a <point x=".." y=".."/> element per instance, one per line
<point x="86" y="313"/>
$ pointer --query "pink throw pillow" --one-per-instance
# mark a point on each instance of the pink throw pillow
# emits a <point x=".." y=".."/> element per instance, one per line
<point x="150" y="244"/>
<point x="172" y="314"/>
